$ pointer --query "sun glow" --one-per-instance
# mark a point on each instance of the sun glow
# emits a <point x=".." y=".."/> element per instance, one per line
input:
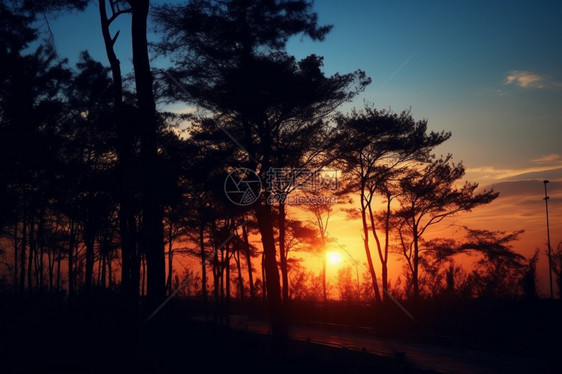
<point x="334" y="258"/>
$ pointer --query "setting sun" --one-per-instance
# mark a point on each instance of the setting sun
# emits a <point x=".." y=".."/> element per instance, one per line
<point x="333" y="257"/>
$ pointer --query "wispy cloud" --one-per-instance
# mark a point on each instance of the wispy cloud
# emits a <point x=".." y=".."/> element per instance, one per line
<point x="549" y="159"/>
<point x="529" y="79"/>
<point x="490" y="174"/>
<point x="525" y="79"/>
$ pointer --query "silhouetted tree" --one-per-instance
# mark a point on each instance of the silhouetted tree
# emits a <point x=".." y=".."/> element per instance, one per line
<point x="126" y="154"/>
<point x="500" y="271"/>
<point x="529" y="278"/>
<point x="89" y="151"/>
<point x="32" y="111"/>
<point x="322" y="213"/>
<point x="374" y="146"/>
<point x="429" y="195"/>
<point x="229" y="60"/>
<point x="152" y="241"/>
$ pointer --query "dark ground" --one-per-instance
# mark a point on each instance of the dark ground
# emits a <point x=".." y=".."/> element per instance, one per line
<point x="44" y="334"/>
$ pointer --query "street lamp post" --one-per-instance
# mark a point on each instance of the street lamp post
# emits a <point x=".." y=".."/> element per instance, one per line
<point x="548" y="239"/>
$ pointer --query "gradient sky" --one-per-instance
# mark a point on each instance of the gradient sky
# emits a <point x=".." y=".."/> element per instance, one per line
<point x="488" y="71"/>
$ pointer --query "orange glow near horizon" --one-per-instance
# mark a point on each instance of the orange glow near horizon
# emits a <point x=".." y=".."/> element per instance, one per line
<point x="334" y="258"/>
<point x="344" y="246"/>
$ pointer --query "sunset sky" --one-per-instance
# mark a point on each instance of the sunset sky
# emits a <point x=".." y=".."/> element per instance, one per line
<point x="488" y="71"/>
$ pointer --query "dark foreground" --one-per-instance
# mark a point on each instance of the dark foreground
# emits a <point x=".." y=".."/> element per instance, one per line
<point x="50" y="337"/>
<point x="47" y="334"/>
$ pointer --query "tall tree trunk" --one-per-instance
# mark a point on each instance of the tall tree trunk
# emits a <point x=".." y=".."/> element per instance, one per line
<point x="71" y="245"/>
<point x="51" y="266"/>
<point x="203" y="268"/>
<point x="31" y="255"/>
<point x="324" y="260"/>
<point x="103" y="271"/>
<point x="41" y="246"/>
<point x="275" y="306"/>
<point x="379" y="250"/>
<point x="221" y="286"/>
<point x="16" y="246"/>
<point x="227" y="298"/>
<point x="415" y="274"/>
<point x="125" y="154"/>
<point x="23" y="249"/>
<point x="152" y="227"/>
<point x="367" y="249"/>
<point x="216" y="284"/>
<point x="249" y="261"/>
<point x="109" y="271"/>
<point x="89" y="243"/>
<point x="59" y="260"/>
<point x="240" y="279"/>
<point x="170" y="259"/>
<point x="324" y="291"/>
<point x="283" y="252"/>
<point x="263" y="278"/>
<point x="386" y="243"/>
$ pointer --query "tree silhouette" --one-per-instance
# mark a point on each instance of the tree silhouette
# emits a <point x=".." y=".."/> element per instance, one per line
<point x="126" y="145"/>
<point x="229" y="61"/>
<point x="429" y="195"/>
<point x="32" y="110"/>
<point x="152" y="241"/>
<point x="374" y="147"/>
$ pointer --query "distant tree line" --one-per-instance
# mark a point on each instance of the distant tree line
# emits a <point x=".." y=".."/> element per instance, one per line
<point x="99" y="189"/>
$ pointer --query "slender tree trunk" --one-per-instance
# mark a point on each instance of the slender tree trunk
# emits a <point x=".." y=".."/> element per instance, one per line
<point x="249" y="261"/>
<point x="23" y="249"/>
<point x="32" y="254"/>
<point x="367" y="249"/>
<point x="16" y="246"/>
<point x="51" y="266"/>
<point x="379" y="250"/>
<point x="264" y="279"/>
<point x="240" y="279"/>
<point x="71" y="245"/>
<point x="283" y="253"/>
<point x="59" y="260"/>
<point x="415" y="274"/>
<point x="275" y="305"/>
<point x="100" y="264"/>
<point x="203" y="267"/>
<point x="152" y="227"/>
<point x="170" y="259"/>
<point x="41" y="245"/>
<point x="144" y="278"/>
<point x="324" y="260"/>
<point x="221" y="285"/>
<point x="125" y="154"/>
<point x="227" y="281"/>
<point x="89" y="243"/>
<point x="103" y="271"/>
<point x="216" y="283"/>
<point x="109" y="271"/>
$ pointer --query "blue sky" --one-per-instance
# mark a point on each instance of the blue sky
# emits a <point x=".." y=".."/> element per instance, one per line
<point x="488" y="71"/>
